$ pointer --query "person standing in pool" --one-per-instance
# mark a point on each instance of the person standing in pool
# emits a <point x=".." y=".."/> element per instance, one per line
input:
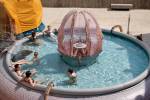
<point x="72" y="76"/>
<point x="48" y="31"/>
<point x="55" y="31"/>
<point x="36" y="58"/>
<point x="33" y="37"/>
<point x="51" y="34"/>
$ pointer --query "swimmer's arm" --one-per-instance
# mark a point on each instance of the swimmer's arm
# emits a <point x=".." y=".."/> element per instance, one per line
<point x="32" y="82"/>
<point x="23" y="61"/>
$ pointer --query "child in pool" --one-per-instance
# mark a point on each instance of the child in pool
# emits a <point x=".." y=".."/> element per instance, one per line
<point x="33" y="37"/>
<point x="72" y="76"/>
<point x="36" y="58"/>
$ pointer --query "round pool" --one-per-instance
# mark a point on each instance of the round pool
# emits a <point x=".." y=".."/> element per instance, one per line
<point x="123" y="62"/>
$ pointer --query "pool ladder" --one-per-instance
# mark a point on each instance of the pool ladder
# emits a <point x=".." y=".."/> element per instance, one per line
<point x="116" y="26"/>
<point x="48" y="90"/>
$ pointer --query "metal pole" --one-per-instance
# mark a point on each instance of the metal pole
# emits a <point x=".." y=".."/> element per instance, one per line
<point x="128" y="27"/>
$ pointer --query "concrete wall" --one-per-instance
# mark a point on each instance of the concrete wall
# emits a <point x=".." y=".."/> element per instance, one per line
<point x="138" y="4"/>
<point x="75" y="3"/>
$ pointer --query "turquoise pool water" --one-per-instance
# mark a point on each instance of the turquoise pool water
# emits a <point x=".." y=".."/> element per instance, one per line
<point x="120" y="61"/>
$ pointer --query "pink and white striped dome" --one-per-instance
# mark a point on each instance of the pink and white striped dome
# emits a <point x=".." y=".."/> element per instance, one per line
<point x="79" y="27"/>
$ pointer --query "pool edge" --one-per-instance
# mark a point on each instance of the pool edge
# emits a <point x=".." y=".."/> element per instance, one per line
<point x="94" y="91"/>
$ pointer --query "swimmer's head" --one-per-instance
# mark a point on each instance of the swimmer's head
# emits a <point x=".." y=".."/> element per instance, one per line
<point x="35" y="54"/>
<point x="70" y="71"/>
<point x="28" y="73"/>
<point x="48" y="27"/>
<point x="17" y="67"/>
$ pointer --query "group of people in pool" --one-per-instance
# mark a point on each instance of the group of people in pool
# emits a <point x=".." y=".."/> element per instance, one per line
<point x="27" y="75"/>
<point x="51" y="33"/>
<point x="76" y="52"/>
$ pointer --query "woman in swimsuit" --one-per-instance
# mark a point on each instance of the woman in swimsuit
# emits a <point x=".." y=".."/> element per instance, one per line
<point x="28" y="78"/>
<point x="17" y="69"/>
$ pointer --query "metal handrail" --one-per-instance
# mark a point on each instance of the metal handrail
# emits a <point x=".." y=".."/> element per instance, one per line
<point x="117" y="26"/>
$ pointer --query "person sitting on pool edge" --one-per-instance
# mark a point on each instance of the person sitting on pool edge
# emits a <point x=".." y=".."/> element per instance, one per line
<point x="17" y="69"/>
<point x="72" y="76"/>
<point x="28" y="78"/>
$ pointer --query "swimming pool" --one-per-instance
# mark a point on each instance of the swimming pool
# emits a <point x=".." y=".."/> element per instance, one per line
<point x="120" y="61"/>
<point x="123" y="63"/>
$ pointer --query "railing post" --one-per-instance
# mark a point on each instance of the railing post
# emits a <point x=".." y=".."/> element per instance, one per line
<point x="128" y="27"/>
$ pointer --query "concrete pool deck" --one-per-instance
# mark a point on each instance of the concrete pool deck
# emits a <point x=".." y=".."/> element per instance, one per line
<point x="140" y="23"/>
<point x="139" y="19"/>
